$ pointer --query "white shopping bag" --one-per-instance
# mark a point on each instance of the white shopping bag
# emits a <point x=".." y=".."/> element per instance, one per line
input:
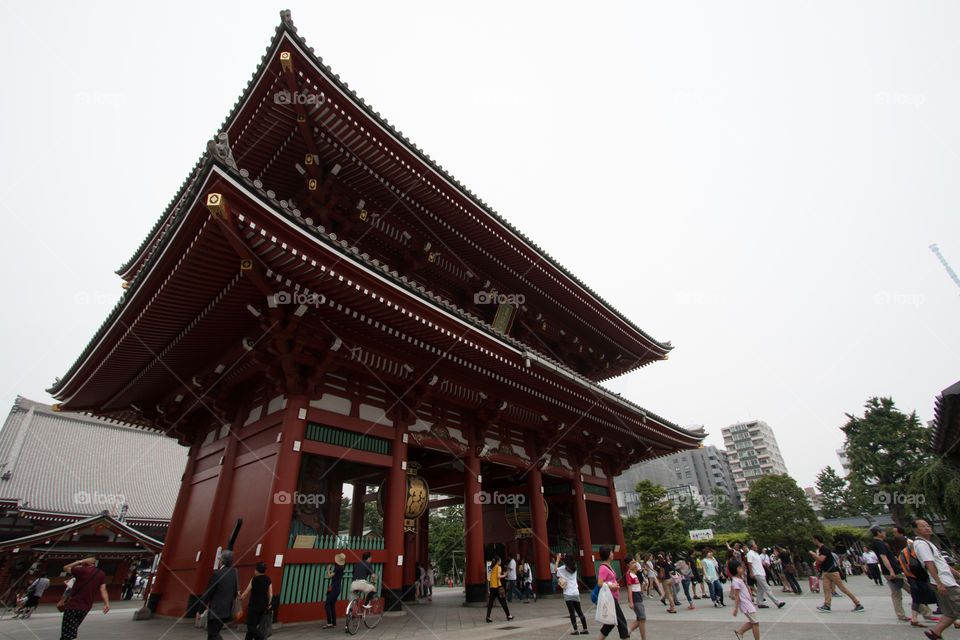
<point x="606" y="610"/>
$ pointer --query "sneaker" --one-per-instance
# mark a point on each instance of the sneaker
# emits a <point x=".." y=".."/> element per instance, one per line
<point x="584" y="632"/>
<point x="780" y="605"/>
<point x="858" y="608"/>
<point x="691" y="607"/>
<point x="763" y="606"/>
<point x="368" y="606"/>
<point x="825" y="608"/>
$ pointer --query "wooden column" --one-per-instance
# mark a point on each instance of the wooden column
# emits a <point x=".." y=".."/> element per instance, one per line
<point x="541" y="545"/>
<point x="174" y="530"/>
<point x="393" y="515"/>
<point x="332" y="512"/>
<point x="615" y="519"/>
<point x="587" y="572"/>
<point x="213" y="537"/>
<point x="475" y="576"/>
<point x="286" y="475"/>
<point x="358" y="506"/>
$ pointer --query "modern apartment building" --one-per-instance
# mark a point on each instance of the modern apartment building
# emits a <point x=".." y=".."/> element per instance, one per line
<point x="753" y="452"/>
<point x="689" y="475"/>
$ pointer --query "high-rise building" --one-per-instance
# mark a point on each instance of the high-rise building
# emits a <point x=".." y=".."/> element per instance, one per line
<point x="693" y="473"/>
<point x="844" y="460"/>
<point x="753" y="452"/>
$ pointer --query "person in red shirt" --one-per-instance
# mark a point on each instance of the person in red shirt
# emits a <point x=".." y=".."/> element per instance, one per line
<point x="88" y="580"/>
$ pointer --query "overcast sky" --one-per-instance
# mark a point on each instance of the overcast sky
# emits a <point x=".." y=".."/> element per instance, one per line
<point x="756" y="182"/>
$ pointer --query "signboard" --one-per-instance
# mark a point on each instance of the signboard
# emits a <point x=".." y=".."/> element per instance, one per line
<point x="701" y="534"/>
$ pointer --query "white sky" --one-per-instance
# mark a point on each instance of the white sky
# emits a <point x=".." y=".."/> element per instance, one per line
<point x="756" y="182"/>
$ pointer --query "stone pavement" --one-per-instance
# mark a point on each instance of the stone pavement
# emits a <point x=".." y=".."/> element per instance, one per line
<point x="446" y="619"/>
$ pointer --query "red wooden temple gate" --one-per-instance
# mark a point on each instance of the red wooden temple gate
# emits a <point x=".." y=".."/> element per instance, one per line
<point x="321" y="304"/>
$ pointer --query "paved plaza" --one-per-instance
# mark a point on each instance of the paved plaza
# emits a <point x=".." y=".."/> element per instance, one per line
<point x="544" y="620"/>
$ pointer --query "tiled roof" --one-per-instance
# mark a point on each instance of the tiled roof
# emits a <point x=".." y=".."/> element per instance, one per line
<point x="99" y="519"/>
<point x="75" y="464"/>
<point x="946" y="420"/>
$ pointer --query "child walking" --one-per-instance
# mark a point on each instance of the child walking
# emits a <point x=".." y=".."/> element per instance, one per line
<point x="742" y="600"/>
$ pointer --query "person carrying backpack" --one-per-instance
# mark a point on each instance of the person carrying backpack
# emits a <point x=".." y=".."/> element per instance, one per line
<point x="912" y="569"/>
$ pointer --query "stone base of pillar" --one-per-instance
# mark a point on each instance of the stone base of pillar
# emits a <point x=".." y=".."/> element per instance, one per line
<point x="544" y="587"/>
<point x="409" y="593"/>
<point x="590" y="581"/>
<point x="392" y="599"/>
<point x="476" y="593"/>
<point x="153" y="600"/>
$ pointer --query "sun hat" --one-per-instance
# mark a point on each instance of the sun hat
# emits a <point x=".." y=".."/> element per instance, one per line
<point x="340" y="559"/>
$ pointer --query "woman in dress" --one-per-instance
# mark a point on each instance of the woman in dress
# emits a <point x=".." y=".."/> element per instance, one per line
<point x="261" y="593"/>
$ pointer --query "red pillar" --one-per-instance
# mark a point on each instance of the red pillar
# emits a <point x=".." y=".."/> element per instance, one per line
<point x="393" y="517"/>
<point x="617" y="522"/>
<point x="286" y="474"/>
<point x="212" y="539"/>
<point x="358" y="506"/>
<point x="587" y="573"/>
<point x="475" y="574"/>
<point x="174" y="537"/>
<point x="541" y="545"/>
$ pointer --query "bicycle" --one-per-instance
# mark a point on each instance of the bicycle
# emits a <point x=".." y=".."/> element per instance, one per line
<point x="371" y="614"/>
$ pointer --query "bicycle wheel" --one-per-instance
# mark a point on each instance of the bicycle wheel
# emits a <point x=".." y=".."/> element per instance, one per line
<point x="374" y="614"/>
<point x="353" y="616"/>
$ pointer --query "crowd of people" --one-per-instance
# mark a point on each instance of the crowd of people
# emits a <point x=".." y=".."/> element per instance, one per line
<point x="743" y="575"/>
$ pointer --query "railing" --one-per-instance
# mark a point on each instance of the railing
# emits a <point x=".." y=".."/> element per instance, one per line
<point x="309" y="582"/>
<point x="349" y="439"/>
<point x="298" y="529"/>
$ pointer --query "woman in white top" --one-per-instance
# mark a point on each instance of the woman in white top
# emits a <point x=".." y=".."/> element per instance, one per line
<point x="567" y="580"/>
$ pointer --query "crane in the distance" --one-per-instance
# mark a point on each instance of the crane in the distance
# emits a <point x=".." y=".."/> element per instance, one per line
<point x="943" y="261"/>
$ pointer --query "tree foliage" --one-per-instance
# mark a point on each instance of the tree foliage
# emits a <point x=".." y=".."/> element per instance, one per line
<point x="833" y="494"/>
<point x="446" y="536"/>
<point x="886" y="449"/>
<point x="727" y="518"/>
<point x="690" y="516"/>
<point x="939" y="483"/>
<point x="778" y="512"/>
<point x="655" y="527"/>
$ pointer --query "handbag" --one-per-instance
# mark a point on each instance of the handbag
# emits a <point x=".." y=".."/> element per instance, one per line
<point x="561" y="583"/>
<point x="200" y="622"/>
<point x="266" y="624"/>
<point x="606" y="609"/>
<point x="595" y="593"/>
<point x="236" y="612"/>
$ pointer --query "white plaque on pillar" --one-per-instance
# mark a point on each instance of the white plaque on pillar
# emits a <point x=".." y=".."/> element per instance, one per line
<point x="278" y="561"/>
<point x="581" y="552"/>
<point x="296" y="445"/>
<point x="258" y="550"/>
<point x="198" y="556"/>
<point x="479" y="478"/>
<point x="302" y="415"/>
<point x="399" y="561"/>
<point x="403" y="465"/>
<point x="406" y="439"/>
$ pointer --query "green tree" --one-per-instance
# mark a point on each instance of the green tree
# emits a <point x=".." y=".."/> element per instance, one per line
<point x="833" y="494"/>
<point x="778" y="512"/>
<point x="345" y="512"/>
<point x="372" y="519"/>
<point x="446" y="536"/>
<point x="727" y="518"/>
<point x="690" y="516"/>
<point x="655" y="527"/>
<point x="886" y="449"/>
<point x="938" y="482"/>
